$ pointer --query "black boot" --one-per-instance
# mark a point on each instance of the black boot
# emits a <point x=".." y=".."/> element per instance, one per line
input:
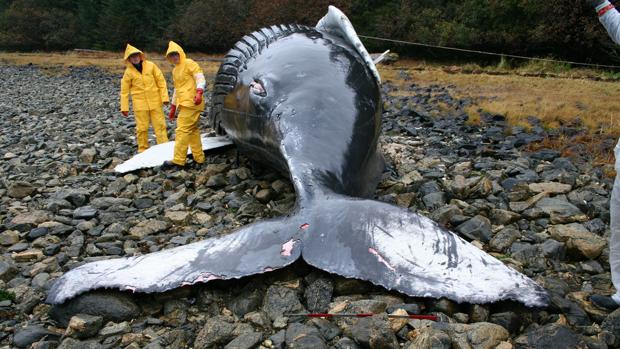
<point x="167" y="165"/>
<point x="604" y="302"/>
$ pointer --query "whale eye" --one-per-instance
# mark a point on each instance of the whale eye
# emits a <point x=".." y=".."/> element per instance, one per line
<point x="257" y="88"/>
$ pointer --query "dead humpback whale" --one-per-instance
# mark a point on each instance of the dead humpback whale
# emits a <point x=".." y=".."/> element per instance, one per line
<point x="307" y="101"/>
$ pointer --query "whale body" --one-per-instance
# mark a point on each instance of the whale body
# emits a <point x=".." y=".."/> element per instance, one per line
<point x="307" y="102"/>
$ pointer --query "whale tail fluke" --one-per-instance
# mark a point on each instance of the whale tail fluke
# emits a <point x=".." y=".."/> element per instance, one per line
<point x="403" y="251"/>
<point x="253" y="249"/>
<point x="363" y="239"/>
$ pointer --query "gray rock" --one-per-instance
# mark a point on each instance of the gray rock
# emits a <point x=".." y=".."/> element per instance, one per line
<point x="265" y="195"/>
<point x="148" y="227"/>
<point x="111" y="306"/>
<point x="553" y="249"/>
<point x="327" y="329"/>
<point x="445" y="214"/>
<point x="83" y="326"/>
<point x="218" y="180"/>
<point x="216" y="331"/>
<point x="504" y="217"/>
<point x="304" y="337"/>
<point x="435" y="200"/>
<point x="143" y="203"/>
<point x="70" y="343"/>
<point x="9" y="237"/>
<point x="479" y="313"/>
<point x="504" y="239"/>
<point x="280" y="300"/>
<point x="550" y="336"/>
<point x="508" y="320"/>
<point x="8" y="270"/>
<point x="20" y="190"/>
<point x="247" y="301"/>
<point x="545" y="154"/>
<point x="579" y="241"/>
<point x="115" y="329"/>
<point x="85" y="212"/>
<point x="575" y="315"/>
<point x="37" y="233"/>
<point x="106" y="202"/>
<point x="477" y="228"/>
<point x="430" y="338"/>
<point x="410" y="308"/>
<point x="346" y="343"/>
<point x="374" y="332"/>
<point x="245" y="341"/>
<point x="612" y="325"/>
<point x="25" y="336"/>
<point x="550" y="187"/>
<point x="561" y="211"/>
<point x="88" y="155"/>
<point x="318" y="295"/>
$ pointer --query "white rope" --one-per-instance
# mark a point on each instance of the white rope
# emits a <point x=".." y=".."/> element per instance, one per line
<point x="490" y="53"/>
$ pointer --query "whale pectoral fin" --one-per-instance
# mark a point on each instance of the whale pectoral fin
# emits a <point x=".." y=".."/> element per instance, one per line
<point x="254" y="249"/>
<point x="403" y="251"/>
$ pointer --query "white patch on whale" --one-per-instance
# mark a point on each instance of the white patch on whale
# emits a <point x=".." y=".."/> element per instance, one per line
<point x="337" y="23"/>
<point x="156" y="155"/>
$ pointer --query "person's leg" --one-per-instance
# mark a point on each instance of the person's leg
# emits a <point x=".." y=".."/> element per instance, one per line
<point x="142" y="129"/>
<point x="185" y="125"/>
<point x="613" y="302"/>
<point x="159" y="125"/>
<point x="614" y="239"/>
<point x="195" y="143"/>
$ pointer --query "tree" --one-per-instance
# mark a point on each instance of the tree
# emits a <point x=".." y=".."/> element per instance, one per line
<point x="35" y="24"/>
<point x="210" y="25"/>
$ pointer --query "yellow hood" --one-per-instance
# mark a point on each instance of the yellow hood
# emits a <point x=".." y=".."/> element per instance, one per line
<point x="131" y="50"/>
<point x="174" y="47"/>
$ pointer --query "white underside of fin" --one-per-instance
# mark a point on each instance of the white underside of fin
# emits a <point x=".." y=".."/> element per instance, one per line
<point x="337" y="23"/>
<point x="156" y="155"/>
<point x="381" y="57"/>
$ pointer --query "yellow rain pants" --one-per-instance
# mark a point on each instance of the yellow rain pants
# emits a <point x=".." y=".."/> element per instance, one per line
<point x="188" y="135"/>
<point x="143" y="119"/>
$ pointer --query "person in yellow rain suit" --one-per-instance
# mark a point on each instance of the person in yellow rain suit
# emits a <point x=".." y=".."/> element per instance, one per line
<point x="146" y="84"/>
<point x="189" y="86"/>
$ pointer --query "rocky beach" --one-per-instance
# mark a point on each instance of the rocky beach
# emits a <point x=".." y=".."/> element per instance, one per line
<point x="62" y="205"/>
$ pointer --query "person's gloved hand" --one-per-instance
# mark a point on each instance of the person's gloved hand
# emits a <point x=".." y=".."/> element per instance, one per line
<point x="125" y="113"/>
<point x="595" y="3"/>
<point x="198" y="98"/>
<point x="173" y="111"/>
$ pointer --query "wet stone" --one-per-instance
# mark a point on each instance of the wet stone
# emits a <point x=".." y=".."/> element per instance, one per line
<point x="9" y="237"/>
<point x="216" y="331"/>
<point x="84" y="326"/>
<point x="477" y="228"/>
<point x="550" y="336"/>
<point x="245" y="341"/>
<point x="374" y="332"/>
<point x="25" y="336"/>
<point x="85" y="212"/>
<point x="111" y="306"/>
<point x="304" y="337"/>
<point x="20" y="190"/>
<point x="318" y="295"/>
<point x="280" y="300"/>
